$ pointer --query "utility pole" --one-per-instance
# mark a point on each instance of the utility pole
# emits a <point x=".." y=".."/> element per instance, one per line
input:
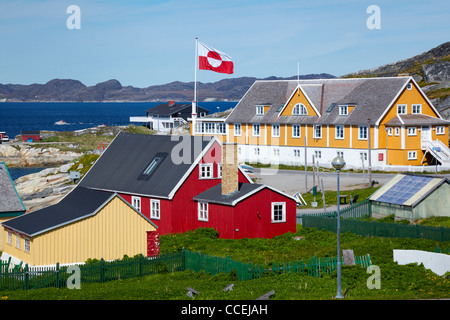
<point x="369" y="169"/>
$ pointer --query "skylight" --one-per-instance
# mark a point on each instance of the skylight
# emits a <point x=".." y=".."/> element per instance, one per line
<point x="153" y="165"/>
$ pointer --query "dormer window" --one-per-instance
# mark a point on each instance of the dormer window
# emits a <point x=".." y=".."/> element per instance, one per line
<point x="299" y="110"/>
<point x="343" y="110"/>
<point x="259" y="110"/>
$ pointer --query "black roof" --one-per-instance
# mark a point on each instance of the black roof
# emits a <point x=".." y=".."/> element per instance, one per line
<point x="121" y="166"/>
<point x="215" y="195"/>
<point x="166" y="110"/>
<point x="74" y="206"/>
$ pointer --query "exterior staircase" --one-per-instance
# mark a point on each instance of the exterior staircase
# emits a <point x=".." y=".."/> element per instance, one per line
<point x="438" y="150"/>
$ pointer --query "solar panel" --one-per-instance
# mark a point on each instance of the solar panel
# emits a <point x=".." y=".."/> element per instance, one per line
<point x="404" y="189"/>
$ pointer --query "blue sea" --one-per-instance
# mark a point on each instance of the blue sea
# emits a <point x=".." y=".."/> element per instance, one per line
<point x="18" y="116"/>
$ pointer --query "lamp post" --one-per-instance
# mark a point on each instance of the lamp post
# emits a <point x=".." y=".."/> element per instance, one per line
<point x="338" y="163"/>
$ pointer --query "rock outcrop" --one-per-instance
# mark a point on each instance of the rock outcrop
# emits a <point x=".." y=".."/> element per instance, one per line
<point x="23" y="155"/>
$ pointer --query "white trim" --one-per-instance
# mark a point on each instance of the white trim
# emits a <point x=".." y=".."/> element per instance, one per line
<point x="402" y="136"/>
<point x="203" y="207"/>
<point x="274" y="136"/>
<point x="283" y="213"/>
<point x="336" y="131"/>
<point x="211" y="171"/>
<point x="234" y="130"/>
<point x="156" y="201"/>
<point x="304" y="94"/>
<point x="136" y="200"/>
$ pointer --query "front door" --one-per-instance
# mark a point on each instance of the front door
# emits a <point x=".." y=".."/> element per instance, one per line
<point x="425" y="136"/>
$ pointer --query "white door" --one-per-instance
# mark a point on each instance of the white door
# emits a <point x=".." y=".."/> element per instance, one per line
<point x="425" y="135"/>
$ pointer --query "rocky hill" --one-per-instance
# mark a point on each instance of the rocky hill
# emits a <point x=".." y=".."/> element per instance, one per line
<point x="112" y="90"/>
<point x="430" y="69"/>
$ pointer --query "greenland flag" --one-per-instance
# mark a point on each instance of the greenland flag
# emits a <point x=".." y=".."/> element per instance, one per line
<point x="212" y="59"/>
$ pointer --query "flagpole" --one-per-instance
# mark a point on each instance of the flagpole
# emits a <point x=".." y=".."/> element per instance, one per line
<point x="194" y="103"/>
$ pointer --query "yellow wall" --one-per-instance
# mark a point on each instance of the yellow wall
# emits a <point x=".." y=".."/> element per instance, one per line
<point x="298" y="97"/>
<point x="114" y="231"/>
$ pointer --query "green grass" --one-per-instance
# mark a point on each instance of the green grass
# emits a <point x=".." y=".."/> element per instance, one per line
<point x="397" y="281"/>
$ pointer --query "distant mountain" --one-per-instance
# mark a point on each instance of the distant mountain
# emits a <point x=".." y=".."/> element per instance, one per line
<point x="112" y="90"/>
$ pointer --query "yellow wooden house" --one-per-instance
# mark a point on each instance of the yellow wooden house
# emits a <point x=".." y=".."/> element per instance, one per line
<point x="85" y="224"/>
<point x="389" y="118"/>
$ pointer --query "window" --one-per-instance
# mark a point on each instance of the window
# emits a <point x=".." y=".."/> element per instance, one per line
<point x="210" y="128"/>
<point x="259" y="110"/>
<point x="318" y="154"/>
<point x="256" y="151"/>
<point x="416" y="109"/>
<point x="221" y="128"/>
<point x="362" y="132"/>
<point x="363" y="156"/>
<point x="203" y="211"/>
<point x="412" y="131"/>
<point x="278" y="211"/>
<point x="297" y="153"/>
<point x="275" y="130"/>
<point x="256" y="130"/>
<point x="299" y="110"/>
<point x="136" y="203"/>
<point x="317" y="131"/>
<point x="9" y="240"/>
<point x="206" y="170"/>
<point x="26" y="245"/>
<point x="151" y="167"/>
<point x="276" y="152"/>
<point x="401" y="109"/>
<point x="343" y="110"/>
<point x="389" y="132"/>
<point x="155" y="209"/>
<point x="440" y="130"/>
<point x="296" y="131"/>
<point x="219" y="170"/>
<point x="339" y="132"/>
<point x="412" y="155"/>
<point x="17" y="241"/>
<point x="397" y="131"/>
<point x="237" y="129"/>
<point x="340" y="154"/>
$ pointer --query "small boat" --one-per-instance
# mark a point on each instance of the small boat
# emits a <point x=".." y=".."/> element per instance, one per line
<point x="60" y="122"/>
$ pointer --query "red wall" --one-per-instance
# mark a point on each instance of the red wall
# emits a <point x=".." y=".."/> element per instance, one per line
<point x="34" y="137"/>
<point x="250" y="218"/>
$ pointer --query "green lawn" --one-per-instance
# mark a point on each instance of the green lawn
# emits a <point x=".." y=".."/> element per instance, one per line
<point x="397" y="282"/>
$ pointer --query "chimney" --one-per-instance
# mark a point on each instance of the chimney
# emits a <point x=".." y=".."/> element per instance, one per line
<point x="171" y="103"/>
<point x="230" y="182"/>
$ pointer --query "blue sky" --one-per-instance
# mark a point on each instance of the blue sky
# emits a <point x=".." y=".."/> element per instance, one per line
<point x="146" y="42"/>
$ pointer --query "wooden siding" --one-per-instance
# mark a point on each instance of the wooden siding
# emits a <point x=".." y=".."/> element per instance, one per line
<point x="115" y="230"/>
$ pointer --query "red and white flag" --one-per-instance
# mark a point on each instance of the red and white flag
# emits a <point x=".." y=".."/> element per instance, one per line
<point x="212" y="59"/>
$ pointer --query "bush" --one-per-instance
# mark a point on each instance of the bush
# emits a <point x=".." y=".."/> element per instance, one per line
<point x="207" y="232"/>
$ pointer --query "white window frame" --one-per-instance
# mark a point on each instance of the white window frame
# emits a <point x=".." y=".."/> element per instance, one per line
<point x="296" y="133"/>
<point x="397" y="131"/>
<point x="402" y="109"/>
<point x="340" y="154"/>
<point x="256" y="130"/>
<point x="275" y="216"/>
<point x="412" y="131"/>
<point x="203" y="211"/>
<point x="412" y="155"/>
<point x="318" y="154"/>
<point x="363" y="132"/>
<point x="339" y="136"/>
<point x="155" y="209"/>
<point x="297" y="153"/>
<point x="317" y="129"/>
<point x="416" y="108"/>
<point x="259" y="110"/>
<point x="440" y="130"/>
<point x="26" y="245"/>
<point x="207" y="173"/>
<point x="17" y="240"/>
<point x="389" y="132"/>
<point x="343" y="110"/>
<point x="219" y="170"/>
<point x="257" y="151"/>
<point x="9" y="239"/>
<point x="276" y="152"/>
<point x="136" y="202"/>
<point x="237" y="129"/>
<point x="275" y="131"/>
<point x="299" y="110"/>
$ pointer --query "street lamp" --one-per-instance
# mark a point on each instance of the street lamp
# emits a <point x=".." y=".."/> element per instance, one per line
<point x="338" y="163"/>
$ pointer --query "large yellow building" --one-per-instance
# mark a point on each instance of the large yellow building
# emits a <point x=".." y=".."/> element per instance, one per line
<point x="389" y="117"/>
<point x="85" y="224"/>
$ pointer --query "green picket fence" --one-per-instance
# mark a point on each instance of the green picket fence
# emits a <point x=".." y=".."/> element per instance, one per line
<point x="359" y="210"/>
<point x="103" y="271"/>
<point x="378" y="229"/>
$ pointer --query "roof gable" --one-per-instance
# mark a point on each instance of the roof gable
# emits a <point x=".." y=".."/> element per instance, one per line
<point x="299" y="97"/>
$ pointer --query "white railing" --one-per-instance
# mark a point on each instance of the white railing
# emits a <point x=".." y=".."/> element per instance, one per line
<point x="438" y="149"/>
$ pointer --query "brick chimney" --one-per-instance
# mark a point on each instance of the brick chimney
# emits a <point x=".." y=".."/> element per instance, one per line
<point x="171" y="103"/>
<point x="230" y="182"/>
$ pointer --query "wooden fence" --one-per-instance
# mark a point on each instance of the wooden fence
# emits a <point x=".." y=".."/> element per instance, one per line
<point x="102" y="271"/>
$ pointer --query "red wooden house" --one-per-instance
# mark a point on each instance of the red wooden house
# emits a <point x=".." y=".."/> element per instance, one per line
<point x="183" y="182"/>
<point x="30" y="136"/>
